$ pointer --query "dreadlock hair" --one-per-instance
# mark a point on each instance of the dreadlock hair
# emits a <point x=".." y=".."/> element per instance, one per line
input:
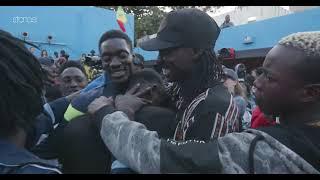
<point x="309" y="44"/>
<point x="212" y="70"/>
<point x="212" y="74"/>
<point x="22" y="85"/>
<point x="115" y="34"/>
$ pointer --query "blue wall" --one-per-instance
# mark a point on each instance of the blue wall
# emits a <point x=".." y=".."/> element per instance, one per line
<point x="148" y="55"/>
<point x="76" y="29"/>
<point x="268" y="32"/>
<point x="264" y="33"/>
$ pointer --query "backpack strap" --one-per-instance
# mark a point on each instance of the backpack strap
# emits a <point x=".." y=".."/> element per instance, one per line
<point x="251" y="152"/>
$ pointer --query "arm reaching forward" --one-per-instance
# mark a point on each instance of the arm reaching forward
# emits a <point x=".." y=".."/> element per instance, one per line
<point x="131" y="143"/>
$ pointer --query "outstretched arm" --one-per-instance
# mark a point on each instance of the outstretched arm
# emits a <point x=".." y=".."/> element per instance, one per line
<point x="131" y="143"/>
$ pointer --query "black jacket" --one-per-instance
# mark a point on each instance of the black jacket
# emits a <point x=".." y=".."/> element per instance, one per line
<point x="210" y="115"/>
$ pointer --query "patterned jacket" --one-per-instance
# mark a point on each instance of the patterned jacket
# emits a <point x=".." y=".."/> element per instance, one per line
<point x="210" y="115"/>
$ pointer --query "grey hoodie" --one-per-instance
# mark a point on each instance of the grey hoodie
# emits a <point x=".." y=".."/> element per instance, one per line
<point x="142" y="150"/>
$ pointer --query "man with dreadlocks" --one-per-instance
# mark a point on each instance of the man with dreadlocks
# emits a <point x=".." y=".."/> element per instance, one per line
<point x="289" y="88"/>
<point x="21" y="101"/>
<point x="185" y="41"/>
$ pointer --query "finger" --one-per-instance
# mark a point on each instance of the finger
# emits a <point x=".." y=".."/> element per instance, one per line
<point x="104" y="97"/>
<point x="143" y="92"/>
<point x="109" y="98"/>
<point x="105" y="100"/>
<point x="146" y="101"/>
<point x="134" y="89"/>
<point x="99" y="99"/>
<point x="117" y="97"/>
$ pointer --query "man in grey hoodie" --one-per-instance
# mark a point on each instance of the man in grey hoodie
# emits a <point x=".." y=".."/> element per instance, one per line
<point x="289" y="88"/>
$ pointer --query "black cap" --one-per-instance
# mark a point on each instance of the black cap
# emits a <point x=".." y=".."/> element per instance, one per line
<point x="190" y="28"/>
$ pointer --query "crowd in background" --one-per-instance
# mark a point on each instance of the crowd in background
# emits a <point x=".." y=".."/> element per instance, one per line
<point x="108" y="113"/>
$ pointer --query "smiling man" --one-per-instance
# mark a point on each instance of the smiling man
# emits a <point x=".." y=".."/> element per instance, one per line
<point x="116" y="55"/>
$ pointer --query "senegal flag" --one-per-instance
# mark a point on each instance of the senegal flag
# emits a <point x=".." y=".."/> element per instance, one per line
<point x="121" y="18"/>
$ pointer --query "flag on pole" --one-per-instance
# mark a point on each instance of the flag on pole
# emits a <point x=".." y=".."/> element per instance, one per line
<point x="121" y="18"/>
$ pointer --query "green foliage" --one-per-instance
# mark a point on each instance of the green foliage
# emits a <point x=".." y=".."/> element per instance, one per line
<point x="147" y="18"/>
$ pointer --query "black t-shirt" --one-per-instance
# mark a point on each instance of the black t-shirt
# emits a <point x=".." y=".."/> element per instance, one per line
<point x="157" y="119"/>
<point x="303" y="140"/>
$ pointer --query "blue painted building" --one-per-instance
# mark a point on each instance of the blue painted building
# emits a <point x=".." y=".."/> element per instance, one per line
<point x="252" y="41"/>
<point x="75" y="29"/>
<point x="262" y="35"/>
<point x="148" y="55"/>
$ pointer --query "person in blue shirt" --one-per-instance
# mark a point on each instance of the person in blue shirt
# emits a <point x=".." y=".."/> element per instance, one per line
<point x="96" y="83"/>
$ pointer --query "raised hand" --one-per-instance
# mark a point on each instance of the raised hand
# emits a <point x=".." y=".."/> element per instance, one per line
<point x="99" y="103"/>
<point x="131" y="101"/>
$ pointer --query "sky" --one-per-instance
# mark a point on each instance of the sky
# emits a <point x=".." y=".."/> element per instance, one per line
<point x="224" y="9"/>
<point x="227" y="9"/>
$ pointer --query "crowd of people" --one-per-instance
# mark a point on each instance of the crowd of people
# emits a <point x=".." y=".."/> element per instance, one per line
<point x="192" y="116"/>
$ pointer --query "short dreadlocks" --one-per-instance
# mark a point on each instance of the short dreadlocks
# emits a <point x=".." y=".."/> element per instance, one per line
<point x="22" y="85"/>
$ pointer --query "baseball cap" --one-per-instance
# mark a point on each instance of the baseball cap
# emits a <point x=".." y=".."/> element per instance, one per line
<point x="190" y="28"/>
<point x="230" y="73"/>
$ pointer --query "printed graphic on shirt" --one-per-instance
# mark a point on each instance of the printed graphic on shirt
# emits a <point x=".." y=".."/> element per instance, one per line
<point x="227" y="123"/>
<point x="187" y="121"/>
